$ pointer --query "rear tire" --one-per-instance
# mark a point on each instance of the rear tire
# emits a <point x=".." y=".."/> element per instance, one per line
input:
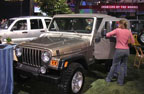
<point x="72" y="79"/>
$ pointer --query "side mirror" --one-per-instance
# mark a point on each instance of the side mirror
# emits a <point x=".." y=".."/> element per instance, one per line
<point x="103" y="33"/>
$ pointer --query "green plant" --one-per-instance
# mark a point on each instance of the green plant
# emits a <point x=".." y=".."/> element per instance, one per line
<point x="52" y="7"/>
<point x="8" y="40"/>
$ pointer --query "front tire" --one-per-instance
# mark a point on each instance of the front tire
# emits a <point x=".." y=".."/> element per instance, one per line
<point x="72" y="79"/>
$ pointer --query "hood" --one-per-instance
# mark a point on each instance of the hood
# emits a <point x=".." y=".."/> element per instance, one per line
<point x="3" y="30"/>
<point x="59" y="45"/>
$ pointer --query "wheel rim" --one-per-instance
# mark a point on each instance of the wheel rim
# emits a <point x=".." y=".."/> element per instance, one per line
<point x="77" y="82"/>
<point x="142" y="38"/>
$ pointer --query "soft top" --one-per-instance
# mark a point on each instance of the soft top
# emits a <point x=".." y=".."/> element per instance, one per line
<point x="82" y="15"/>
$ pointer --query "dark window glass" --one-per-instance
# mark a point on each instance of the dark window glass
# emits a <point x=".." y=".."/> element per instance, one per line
<point x="6" y="24"/>
<point x="36" y="24"/>
<point x="114" y="25"/>
<point x="47" y="21"/>
<point x="99" y="20"/>
<point x="20" y="25"/>
<point x="110" y="25"/>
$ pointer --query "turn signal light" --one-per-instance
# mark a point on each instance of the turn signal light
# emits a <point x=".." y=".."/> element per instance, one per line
<point x="54" y="63"/>
<point x="66" y="64"/>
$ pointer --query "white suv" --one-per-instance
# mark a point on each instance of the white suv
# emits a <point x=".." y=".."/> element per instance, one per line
<point x="25" y="28"/>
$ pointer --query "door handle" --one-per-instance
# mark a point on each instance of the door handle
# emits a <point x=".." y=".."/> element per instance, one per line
<point x="24" y="32"/>
<point x="42" y="31"/>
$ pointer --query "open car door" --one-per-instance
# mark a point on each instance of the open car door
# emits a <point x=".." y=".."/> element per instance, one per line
<point x="105" y="47"/>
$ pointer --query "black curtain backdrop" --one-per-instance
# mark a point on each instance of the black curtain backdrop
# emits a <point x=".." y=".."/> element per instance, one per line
<point x="14" y="9"/>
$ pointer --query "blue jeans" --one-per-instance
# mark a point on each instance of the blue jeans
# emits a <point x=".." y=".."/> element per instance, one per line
<point x="117" y="70"/>
<point x="119" y="65"/>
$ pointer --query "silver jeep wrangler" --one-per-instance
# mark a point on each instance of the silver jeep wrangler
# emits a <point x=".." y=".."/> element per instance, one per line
<point x="74" y="41"/>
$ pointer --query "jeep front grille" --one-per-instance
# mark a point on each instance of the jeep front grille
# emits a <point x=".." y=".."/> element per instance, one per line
<point x="31" y="57"/>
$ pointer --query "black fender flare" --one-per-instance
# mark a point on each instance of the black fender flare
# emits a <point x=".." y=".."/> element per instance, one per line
<point x="74" y="58"/>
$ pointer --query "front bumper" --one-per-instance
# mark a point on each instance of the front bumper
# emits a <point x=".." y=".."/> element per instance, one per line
<point x="33" y="71"/>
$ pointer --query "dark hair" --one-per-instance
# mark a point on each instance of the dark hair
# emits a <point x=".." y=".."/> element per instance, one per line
<point x="124" y="23"/>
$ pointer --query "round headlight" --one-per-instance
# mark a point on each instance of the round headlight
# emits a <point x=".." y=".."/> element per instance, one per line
<point x="18" y="51"/>
<point x="46" y="56"/>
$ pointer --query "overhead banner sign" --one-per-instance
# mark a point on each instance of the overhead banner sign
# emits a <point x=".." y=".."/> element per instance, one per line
<point x="115" y="6"/>
<point x="119" y="7"/>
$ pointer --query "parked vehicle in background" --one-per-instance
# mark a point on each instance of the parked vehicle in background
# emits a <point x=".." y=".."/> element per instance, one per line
<point x="74" y="42"/>
<point x="26" y="28"/>
<point x="137" y="28"/>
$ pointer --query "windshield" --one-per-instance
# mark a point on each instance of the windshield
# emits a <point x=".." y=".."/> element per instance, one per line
<point x="76" y="25"/>
<point x="6" y="24"/>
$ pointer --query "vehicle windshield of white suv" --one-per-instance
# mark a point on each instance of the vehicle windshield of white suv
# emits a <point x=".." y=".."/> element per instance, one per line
<point x="6" y="24"/>
<point x="76" y="25"/>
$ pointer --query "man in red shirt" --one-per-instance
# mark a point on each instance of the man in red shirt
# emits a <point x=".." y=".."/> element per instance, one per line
<point x="123" y="35"/>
